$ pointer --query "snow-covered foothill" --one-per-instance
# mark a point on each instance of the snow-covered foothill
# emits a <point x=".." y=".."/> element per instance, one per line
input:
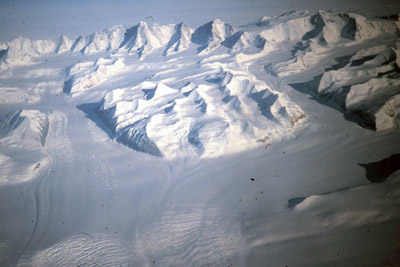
<point x="22" y="51"/>
<point x="349" y="76"/>
<point x="319" y="33"/>
<point x="373" y="91"/>
<point x="13" y="96"/>
<point x="38" y="124"/>
<point x="396" y="49"/>
<point x="388" y="116"/>
<point x="10" y="121"/>
<point x="24" y="128"/>
<point x="22" y="134"/>
<point x="359" y="83"/>
<point x="226" y="116"/>
<point x="369" y="52"/>
<point x="86" y="75"/>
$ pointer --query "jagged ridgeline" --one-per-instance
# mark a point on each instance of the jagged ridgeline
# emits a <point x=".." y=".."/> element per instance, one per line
<point x="206" y="96"/>
<point x="319" y="28"/>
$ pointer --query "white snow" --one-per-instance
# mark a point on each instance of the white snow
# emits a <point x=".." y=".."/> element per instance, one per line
<point x="12" y="96"/>
<point x="209" y="120"/>
<point x="180" y="39"/>
<point x="292" y="30"/>
<point x="64" y="44"/>
<point x="86" y="75"/>
<point x="387" y="117"/>
<point x="349" y="76"/>
<point x="172" y="146"/>
<point x="107" y="40"/>
<point x="143" y="38"/>
<point x="371" y="90"/>
<point x="334" y="25"/>
<point x="368" y="29"/>
<point x="80" y="43"/>
<point x="38" y="122"/>
<point x="22" y="51"/>
<point x="210" y="35"/>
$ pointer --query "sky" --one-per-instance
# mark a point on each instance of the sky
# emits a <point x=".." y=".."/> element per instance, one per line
<point x="39" y="19"/>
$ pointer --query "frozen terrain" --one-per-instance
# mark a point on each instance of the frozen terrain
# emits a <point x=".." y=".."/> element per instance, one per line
<point x="271" y="144"/>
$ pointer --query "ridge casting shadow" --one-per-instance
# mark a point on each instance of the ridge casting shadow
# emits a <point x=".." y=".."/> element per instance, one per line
<point x="377" y="172"/>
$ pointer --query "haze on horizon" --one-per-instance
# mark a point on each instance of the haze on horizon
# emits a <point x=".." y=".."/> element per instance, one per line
<point x="49" y="19"/>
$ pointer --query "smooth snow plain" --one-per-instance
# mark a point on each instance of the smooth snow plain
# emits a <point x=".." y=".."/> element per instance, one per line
<point x="164" y="145"/>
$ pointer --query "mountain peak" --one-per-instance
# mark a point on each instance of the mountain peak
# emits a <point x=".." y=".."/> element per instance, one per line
<point x="143" y="37"/>
<point x="211" y="34"/>
<point x="179" y="40"/>
<point x="64" y="44"/>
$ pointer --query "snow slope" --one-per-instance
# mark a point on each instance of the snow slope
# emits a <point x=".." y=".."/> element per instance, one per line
<point x="172" y="146"/>
<point x="85" y="75"/>
<point x="226" y="115"/>
<point x="364" y="68"/>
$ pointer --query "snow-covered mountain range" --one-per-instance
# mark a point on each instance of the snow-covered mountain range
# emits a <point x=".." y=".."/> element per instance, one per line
<point x="353" y="61"/>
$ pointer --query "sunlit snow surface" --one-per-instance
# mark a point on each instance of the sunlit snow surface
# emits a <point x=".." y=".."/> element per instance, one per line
<point x="171" y="146"/>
